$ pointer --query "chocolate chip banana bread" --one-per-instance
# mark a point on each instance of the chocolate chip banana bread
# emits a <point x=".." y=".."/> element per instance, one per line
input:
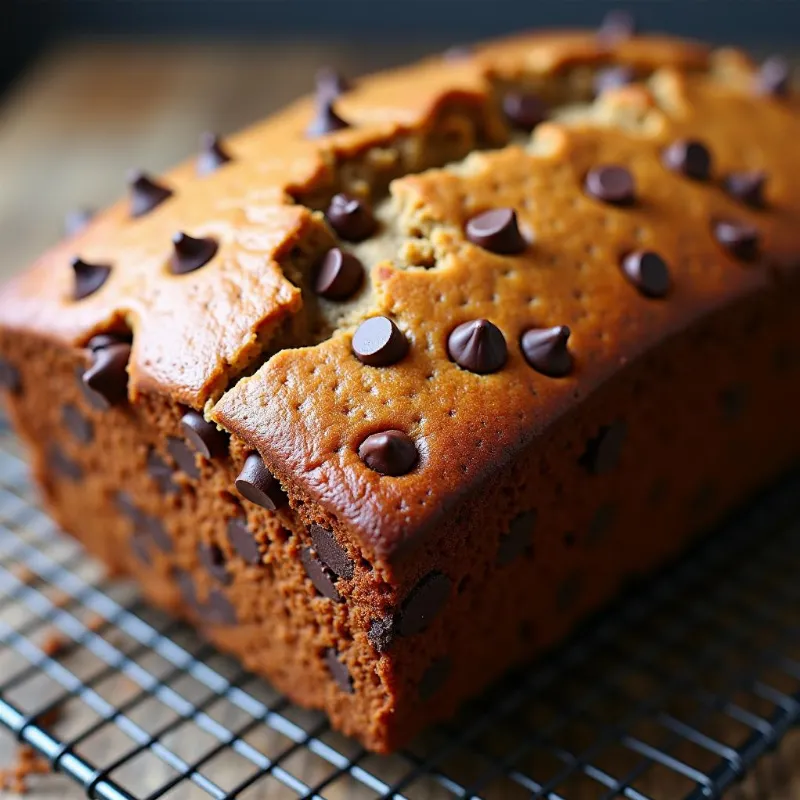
<point x="388" y="392"/>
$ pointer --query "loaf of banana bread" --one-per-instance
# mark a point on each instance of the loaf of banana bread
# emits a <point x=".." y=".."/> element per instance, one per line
<point x="388" y="392"/>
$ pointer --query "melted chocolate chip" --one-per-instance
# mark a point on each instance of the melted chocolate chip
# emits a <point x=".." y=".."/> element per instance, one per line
<point x="603" y="452"/>
<point x="611" y="78"/>
<point x="774" y="77"/>
<point x="339" y="275"/>
<point x="600" y="524"/>
<point x="189" y="254"/>
<point x="611" y="183"/>
<point x="689" y="157"/>
<point x="213" y="559"/>
<point x="154" y="528"/>
<point x="258" y="485"/>
<point x="187" y="589"/>
<point x="648" y="272"/>
<point x="88" y="277"/>
<point x="243" y="541"/>
<point x="545" y="349"/>
<point x="423" y="603"/>
<point x="331" y="553"/>
<point x="478" y="346"/>
<point x="389" y="452"/>
<point x="77" y="424"/>
<point x="10" y="378"/>
<point x="617" y="26"/>
<point x="184" y="456"/>
<point x="331" y="83"/>
<point x="75" y="221"/>
<point x="124" y="502"/>
<point x="739" y="238"/>
<point x="496" y="231"/>
<point x="747" y="187"/>
<point x="327" y="120"/>
<point x="138" y="545"/>
<point x="218" y="610"/>
<point x="434" y="677"/>
<point x="350" y="217"/>
<point x="378" y="342"/>
<point x="320" y="576"/>
<point x="339" y="671"/>
<point x="524" y="110"/>
<point x="381" y="633"/>
<point x="203" y="436"/>
<point x="62" y="465"/>
<point x="212" y="154"/>
<point x="107" y="378"/>
<point x="519" y="538"/>
<point x="161" y="473"/>
<point x="146" y="193"/>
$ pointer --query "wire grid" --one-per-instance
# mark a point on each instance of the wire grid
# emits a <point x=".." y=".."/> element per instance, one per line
<point x="674" y="694"/>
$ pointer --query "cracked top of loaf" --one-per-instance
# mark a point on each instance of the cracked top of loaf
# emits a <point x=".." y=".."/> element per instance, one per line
<point x="527" y="216"/>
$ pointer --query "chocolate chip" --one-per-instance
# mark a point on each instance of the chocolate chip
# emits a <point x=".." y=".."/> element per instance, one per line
<point x="689" y="157"/>
<point x="545" y="349"/>
<point x="75" y="221"/>
<point x="434" y="677"/>
<point x="10" y="378"/>
<point x="205" y="437"/>
<point x="733" y="401"/>
<point x="243" y="541"/>
<point x="154" y="528"/>
<point x="161" y="473"/>
<point x="62" y="465"/>
<point x="187" y="589"/>
<point x="496" y="231"/>
<point x="739" y="238"/>
<point x="332" y="554"/>
<point x="389" y="452"/>
<point x="612" y="78"/>
<point x="138" y="545"/>
<point x="331" y="83"/>
<point x="213" y="559"/>
<point x="103" y="340"/>
<point x="321" y="577"/>
<point x="458" y="52"/>
<point x="124" y="502"/>
<point x="107" y="378"/>
<point x="423" y="603"/>
<point x="258" y="485"/>
<point x="350" y="217"/>
<point x="339" y="671"/>
<point x="339" y="275"/>
<point x="146" y="193"/>
<point x="381" y="633"/>
<point x="611" y="183"/>
<point x="603" y="452"/>
<point x="88" y="277"/>
<point x="478" y="346"/>
<point x="648" y="272"/>
<point x="378" y="342"/>
<point x="774" y="77"/>
<point x="189" y="254"/>
<point x="600" y="524"/>
<point x="77" y="424"/>
<point x="212" y="154"/>
<point x="327" y="120"/>
<point x="524" y="110"/>
<point x="519" y="538"/>
<point x="747" y="187"/>
<point x="184" y="457"/>
<point x="617" y="26"/>
<point x="218" y="609"/>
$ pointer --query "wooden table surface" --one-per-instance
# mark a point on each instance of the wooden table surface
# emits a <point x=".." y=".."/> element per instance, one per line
<point x="86" y="113"/>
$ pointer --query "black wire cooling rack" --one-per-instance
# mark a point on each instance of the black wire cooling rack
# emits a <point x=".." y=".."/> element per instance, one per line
<point x="676" y="693"/>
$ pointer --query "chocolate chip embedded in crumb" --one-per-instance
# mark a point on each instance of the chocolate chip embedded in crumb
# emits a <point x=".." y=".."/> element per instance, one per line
<point x="62" y="465"/>
<point x="203" y="436"/>
<point x="126" y="505"/>
<point x="258" y="485"/>
<point x="322" y="578"/>
<point x="10" y="378"/>
<point x="339" y="275"/>
<point x="331" y="553"/>
<point x="747" y="187"/>
<point x="617" y="26"/>
<point x="330" y="83"/>
<point x="689" y="157"/>
<point x="103" y="340"/>
<point x="612" y="78"/>
<point x="77" y="424"/>
<point x="350" y="217"/>
<point x="218" y="610"/>
<point x="88" y="277"/>
<point x="161" y="472"/>
<point x="381" y="633"/>
<point x="327" y="119"/>
<point x="189" y="254"/>
<point x="187" y="589"/>
<point x="184" y="456"/>
<point x="478" y="346"/>
<point x="391" y="453"/>
<point x="107" y="377"/>
<point x="154" y="528"/>
<point x="378" y="342"/>
<point x="497" y="231"/>
<point x="146" y="193"/>
<point x="138" y="545"/>
<point x="212" y="154"/>
<point x="525" y="110"/>
<point x="603" y="452"/>
<point x="774" y="77"/>
<point x="212" y="558"/>
<point x="435" y="677"/>
<point x="519" y="538"/>
<point x="611" y="183"/>
<point x="423" y="603"/>
<point x="648" y="272"/>
<point x="545" y="349"/>
<point x="243" y="541"/>
<point x="739" y="238"/>
<point x="75" y="221"/>
<point x="339" y="671"/>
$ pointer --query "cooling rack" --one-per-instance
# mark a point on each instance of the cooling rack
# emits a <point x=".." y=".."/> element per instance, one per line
<point x="677" y="692"/>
